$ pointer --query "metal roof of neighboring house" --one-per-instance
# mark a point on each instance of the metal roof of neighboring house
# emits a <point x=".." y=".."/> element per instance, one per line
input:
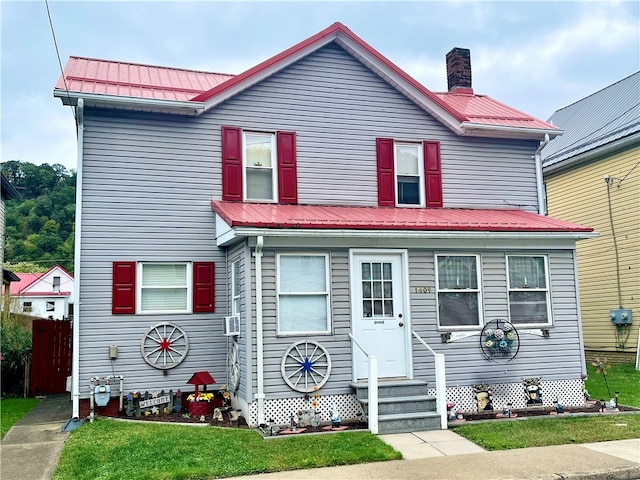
<point x="267" y="215"/>
<point x="28" y="279"/>
<point x="96" y="76"/>
<point x="607" y="116"/>
<point x="197" y="91"/>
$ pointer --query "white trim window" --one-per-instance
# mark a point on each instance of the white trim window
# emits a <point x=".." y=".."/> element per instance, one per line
<point x="235" y="288"/>
<point x="164" y="287"/>
<point x="51" y="306"/>
<point x="303" y="294"/>
<point x="409" y="173"/>
<point x="260" y="180"/>
<point x="528" y="283"/>
<point x="27" y="307"/>
<point x="458" y="287"/>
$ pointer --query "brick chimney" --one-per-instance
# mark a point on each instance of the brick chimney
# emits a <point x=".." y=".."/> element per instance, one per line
<point x="459" y="71"/>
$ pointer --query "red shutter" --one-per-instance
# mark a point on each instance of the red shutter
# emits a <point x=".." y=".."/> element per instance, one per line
<point x="232" y="164"/>
<point x="287" y="167"/>
<point x="203" y="286"/>
<point x="123" y="296"/>
<point x="386" y="177"/>
<point x="432" y="174"/>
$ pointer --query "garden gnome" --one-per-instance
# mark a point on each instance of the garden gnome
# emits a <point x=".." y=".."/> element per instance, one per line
<point x="335" y="417"/>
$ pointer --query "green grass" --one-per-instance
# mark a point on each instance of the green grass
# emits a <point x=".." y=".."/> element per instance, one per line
<point x="12" y="410"/>
<point x="621" y="378"/>
<point x="108" y="449"/>
<point x="540" y="432"/>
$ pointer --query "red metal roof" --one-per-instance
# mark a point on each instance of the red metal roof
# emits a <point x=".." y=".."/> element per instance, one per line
<point x="94" y="76"/>
<point x="106" y="77"/>
<point x="267" y="215"/>
<point x="485" y="110"/>
<point x="26" y="279"/>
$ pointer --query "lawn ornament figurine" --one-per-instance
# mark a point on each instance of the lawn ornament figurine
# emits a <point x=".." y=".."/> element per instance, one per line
<point x="335" y="417"/>
<point x="533" y="390"/>
<point x="484" y="397"/>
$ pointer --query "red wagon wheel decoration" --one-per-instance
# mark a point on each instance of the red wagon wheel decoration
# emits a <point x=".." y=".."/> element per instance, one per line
<point x="164" y="345"/>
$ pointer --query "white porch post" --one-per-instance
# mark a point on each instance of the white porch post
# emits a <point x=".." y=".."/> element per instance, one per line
<point x="373" y="394"/>
<point x="441" y="390"/>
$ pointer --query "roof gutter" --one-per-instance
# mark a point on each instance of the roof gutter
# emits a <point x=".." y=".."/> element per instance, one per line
<point x="600" y="151"/>
<point x="477" y="129"/>
<point x="171" y="106"/>
<point x="236" y="233"/>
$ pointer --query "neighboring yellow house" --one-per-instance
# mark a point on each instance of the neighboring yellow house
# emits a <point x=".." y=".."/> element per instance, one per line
<point x="592" y="176"/>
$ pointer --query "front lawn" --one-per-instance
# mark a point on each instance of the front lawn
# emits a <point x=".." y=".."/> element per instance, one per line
<point x="542" y="432"/>
<point x="12" y="410"/>
<point x="108" y="449"/>
<point x="621" y="378"/>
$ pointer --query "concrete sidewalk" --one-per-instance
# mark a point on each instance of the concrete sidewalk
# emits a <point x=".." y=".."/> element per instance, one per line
<point x="32" y="448"/>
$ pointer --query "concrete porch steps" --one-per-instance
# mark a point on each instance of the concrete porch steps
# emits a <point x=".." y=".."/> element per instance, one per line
<point x="403" y="406"/>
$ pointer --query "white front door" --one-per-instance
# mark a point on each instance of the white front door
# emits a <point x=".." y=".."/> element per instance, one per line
<point x="379" y="312"/>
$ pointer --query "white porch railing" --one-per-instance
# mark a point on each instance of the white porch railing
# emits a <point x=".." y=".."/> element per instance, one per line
<point x="372" y="387"/>
<point x="441" y="383"/>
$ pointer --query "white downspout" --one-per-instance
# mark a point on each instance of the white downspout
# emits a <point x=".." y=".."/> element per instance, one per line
<point x="542" y="201"/>
<point x="75" y="359"/>
<point x="259" y="340"/>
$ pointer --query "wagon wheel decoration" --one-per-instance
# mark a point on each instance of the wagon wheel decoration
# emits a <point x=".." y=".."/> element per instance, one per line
<point x="233" y="373"/>
<point x="499" y="340"/>
<point x="164" y="345"/>
<point x="306" y="365"/>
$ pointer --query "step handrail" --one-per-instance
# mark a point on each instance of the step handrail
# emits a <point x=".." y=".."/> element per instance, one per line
<point x="372" y="387"/>
<point x="441" y="382"/>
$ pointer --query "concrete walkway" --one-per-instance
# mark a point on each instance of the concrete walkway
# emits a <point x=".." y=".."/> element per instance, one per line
<point x="32" y="448"/>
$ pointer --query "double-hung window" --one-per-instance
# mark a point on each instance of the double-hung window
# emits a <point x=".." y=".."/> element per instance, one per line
<point x="260" y="167"/>
<point x="303" y="294"/>
<point x="528" y="290"/>
<point x="235" y="288"/>
<point x="458" y="290"/>
<point x="27" y="307"/>
<point x="409" y="168"/>
<point x="409" y="173"/>
<point x="164" y="287"/>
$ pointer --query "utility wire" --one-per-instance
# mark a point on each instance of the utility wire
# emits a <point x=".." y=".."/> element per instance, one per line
<point x="615" y="242"/>
<point x="55" y="43"/>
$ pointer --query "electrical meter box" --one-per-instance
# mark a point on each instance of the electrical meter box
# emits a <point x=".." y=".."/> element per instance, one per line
<point x="102" y="394"/>
<point x="620" y="316"/>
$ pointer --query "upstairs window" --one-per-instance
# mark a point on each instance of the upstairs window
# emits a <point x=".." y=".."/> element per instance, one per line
<point x="528" y="290"/>
<point x="409" y="173"/>
<point x="259" y="166"/>
<point x="458" y="289"/>
<point x="56" y="284"/>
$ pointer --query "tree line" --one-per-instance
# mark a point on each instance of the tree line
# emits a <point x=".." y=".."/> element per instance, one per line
<point x="40" y="223"/>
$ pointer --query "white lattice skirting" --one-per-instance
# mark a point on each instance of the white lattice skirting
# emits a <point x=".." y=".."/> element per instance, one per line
<point x="566" y="392"/>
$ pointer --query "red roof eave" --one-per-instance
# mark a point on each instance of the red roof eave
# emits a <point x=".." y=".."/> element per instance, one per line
<point x="388" y="218"/>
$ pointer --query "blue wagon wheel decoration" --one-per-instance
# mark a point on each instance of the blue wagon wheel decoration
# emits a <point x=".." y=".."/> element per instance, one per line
<point x="164" y="345"/>
<point x="499" y="340"/>
<point x="306" y="365"/>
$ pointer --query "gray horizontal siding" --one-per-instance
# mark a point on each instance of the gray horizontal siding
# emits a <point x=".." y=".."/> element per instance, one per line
<point x="466" y="365"/>
<point x="148" y="182"/>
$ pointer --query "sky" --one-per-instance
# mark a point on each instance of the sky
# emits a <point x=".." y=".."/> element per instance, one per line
<point x="535" y="56"/>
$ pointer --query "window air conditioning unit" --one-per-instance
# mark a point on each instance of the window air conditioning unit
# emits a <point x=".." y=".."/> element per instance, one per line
<point x="232" y="325"/>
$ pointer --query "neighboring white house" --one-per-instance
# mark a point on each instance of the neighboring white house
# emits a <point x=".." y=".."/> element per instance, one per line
<point x="45" y="295"/>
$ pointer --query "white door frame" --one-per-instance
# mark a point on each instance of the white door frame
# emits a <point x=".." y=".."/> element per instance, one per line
<point x="354" y="276"/>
